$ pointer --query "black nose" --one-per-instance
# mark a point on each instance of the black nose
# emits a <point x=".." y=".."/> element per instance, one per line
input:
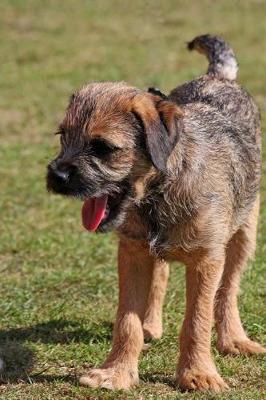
<point x="60" y="172"/>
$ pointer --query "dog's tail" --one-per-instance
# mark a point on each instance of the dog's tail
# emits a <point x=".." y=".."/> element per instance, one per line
<point x="221" y="57"/>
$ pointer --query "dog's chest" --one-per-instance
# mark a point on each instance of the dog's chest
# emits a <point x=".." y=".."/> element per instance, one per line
<point x="167" y="229"/>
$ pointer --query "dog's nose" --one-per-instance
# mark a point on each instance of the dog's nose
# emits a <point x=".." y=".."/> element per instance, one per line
<point x="60" y="171"/>
<point x="63" y="175"/>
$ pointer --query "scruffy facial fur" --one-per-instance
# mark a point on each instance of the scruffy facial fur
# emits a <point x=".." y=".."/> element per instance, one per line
<point x="110" y="136"/>
<point x="182" y="176"/>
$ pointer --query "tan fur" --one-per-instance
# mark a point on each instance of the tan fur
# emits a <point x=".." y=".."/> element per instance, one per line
<point x="232" y="339"/>
<point x="135" y="267"/>
<point x="152" y="324"/>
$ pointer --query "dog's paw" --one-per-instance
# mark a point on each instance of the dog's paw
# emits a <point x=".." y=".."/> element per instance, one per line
<point x="152" y="331"/>
<point x="196" y="379"/>
<point x="240" y="346"/>
<point x="110" y="378"/>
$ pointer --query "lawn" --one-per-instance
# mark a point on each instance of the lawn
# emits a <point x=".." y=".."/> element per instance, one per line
<point x="58" y="289"/>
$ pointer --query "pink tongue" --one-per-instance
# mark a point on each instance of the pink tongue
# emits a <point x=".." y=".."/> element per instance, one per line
<point x="93" y="212"/>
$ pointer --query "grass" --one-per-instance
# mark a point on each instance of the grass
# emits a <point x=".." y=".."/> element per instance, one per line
<point x="58" y="290"/>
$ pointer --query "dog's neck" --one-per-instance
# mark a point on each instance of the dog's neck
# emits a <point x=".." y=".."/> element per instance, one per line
<point x="165" y="202"/>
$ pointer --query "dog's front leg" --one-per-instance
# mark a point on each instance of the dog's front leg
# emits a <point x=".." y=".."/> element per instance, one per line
<point x="120" y="370"/>
<point x="196" y="369"/>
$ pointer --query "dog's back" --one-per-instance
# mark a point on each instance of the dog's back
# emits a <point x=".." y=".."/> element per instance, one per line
<point x="224" y="121"/>
<point x="218" y="87"/>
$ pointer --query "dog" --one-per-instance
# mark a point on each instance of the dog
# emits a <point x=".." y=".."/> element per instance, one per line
<point x="177" y="177"/>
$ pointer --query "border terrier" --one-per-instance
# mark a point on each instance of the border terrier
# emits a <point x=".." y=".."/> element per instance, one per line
<point x="177" y="177"/>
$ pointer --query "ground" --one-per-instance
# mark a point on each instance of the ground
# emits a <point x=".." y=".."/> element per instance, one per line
<point x="58" y="289"/>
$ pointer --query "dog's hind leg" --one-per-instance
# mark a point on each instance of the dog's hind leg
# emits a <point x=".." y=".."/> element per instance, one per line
<point x="152" y="324"/>
<point x="232" y="338"/>
<point x="120" y="370"/>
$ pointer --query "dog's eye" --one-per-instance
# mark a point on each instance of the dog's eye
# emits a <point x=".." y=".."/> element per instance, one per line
<point x="100" y="148"/>
<point x="60" y="131"/>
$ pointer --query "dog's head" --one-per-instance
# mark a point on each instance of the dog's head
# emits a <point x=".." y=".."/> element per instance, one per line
<point x="111" y="136"/>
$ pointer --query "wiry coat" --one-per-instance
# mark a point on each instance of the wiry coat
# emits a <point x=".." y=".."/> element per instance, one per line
<point x="180" y="175"/>
<point x="213" y="173"/>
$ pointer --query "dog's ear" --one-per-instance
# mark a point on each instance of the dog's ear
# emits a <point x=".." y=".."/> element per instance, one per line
<point x="161" y="121"/>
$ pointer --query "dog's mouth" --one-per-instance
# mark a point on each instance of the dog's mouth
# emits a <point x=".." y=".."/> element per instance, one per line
<point x="101" y="212"/>
<point x="98" y="212"/>
<point x="94" y="211"/>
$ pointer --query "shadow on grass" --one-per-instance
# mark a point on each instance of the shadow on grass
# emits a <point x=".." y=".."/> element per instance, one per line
<point x="19" y="359"/>
<point x="59" y="331"/>
<point x="159" y="378"/>
<point x="18" y="362"/>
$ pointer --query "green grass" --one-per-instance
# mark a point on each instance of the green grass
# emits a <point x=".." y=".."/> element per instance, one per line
<point x="58" y="289"/>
